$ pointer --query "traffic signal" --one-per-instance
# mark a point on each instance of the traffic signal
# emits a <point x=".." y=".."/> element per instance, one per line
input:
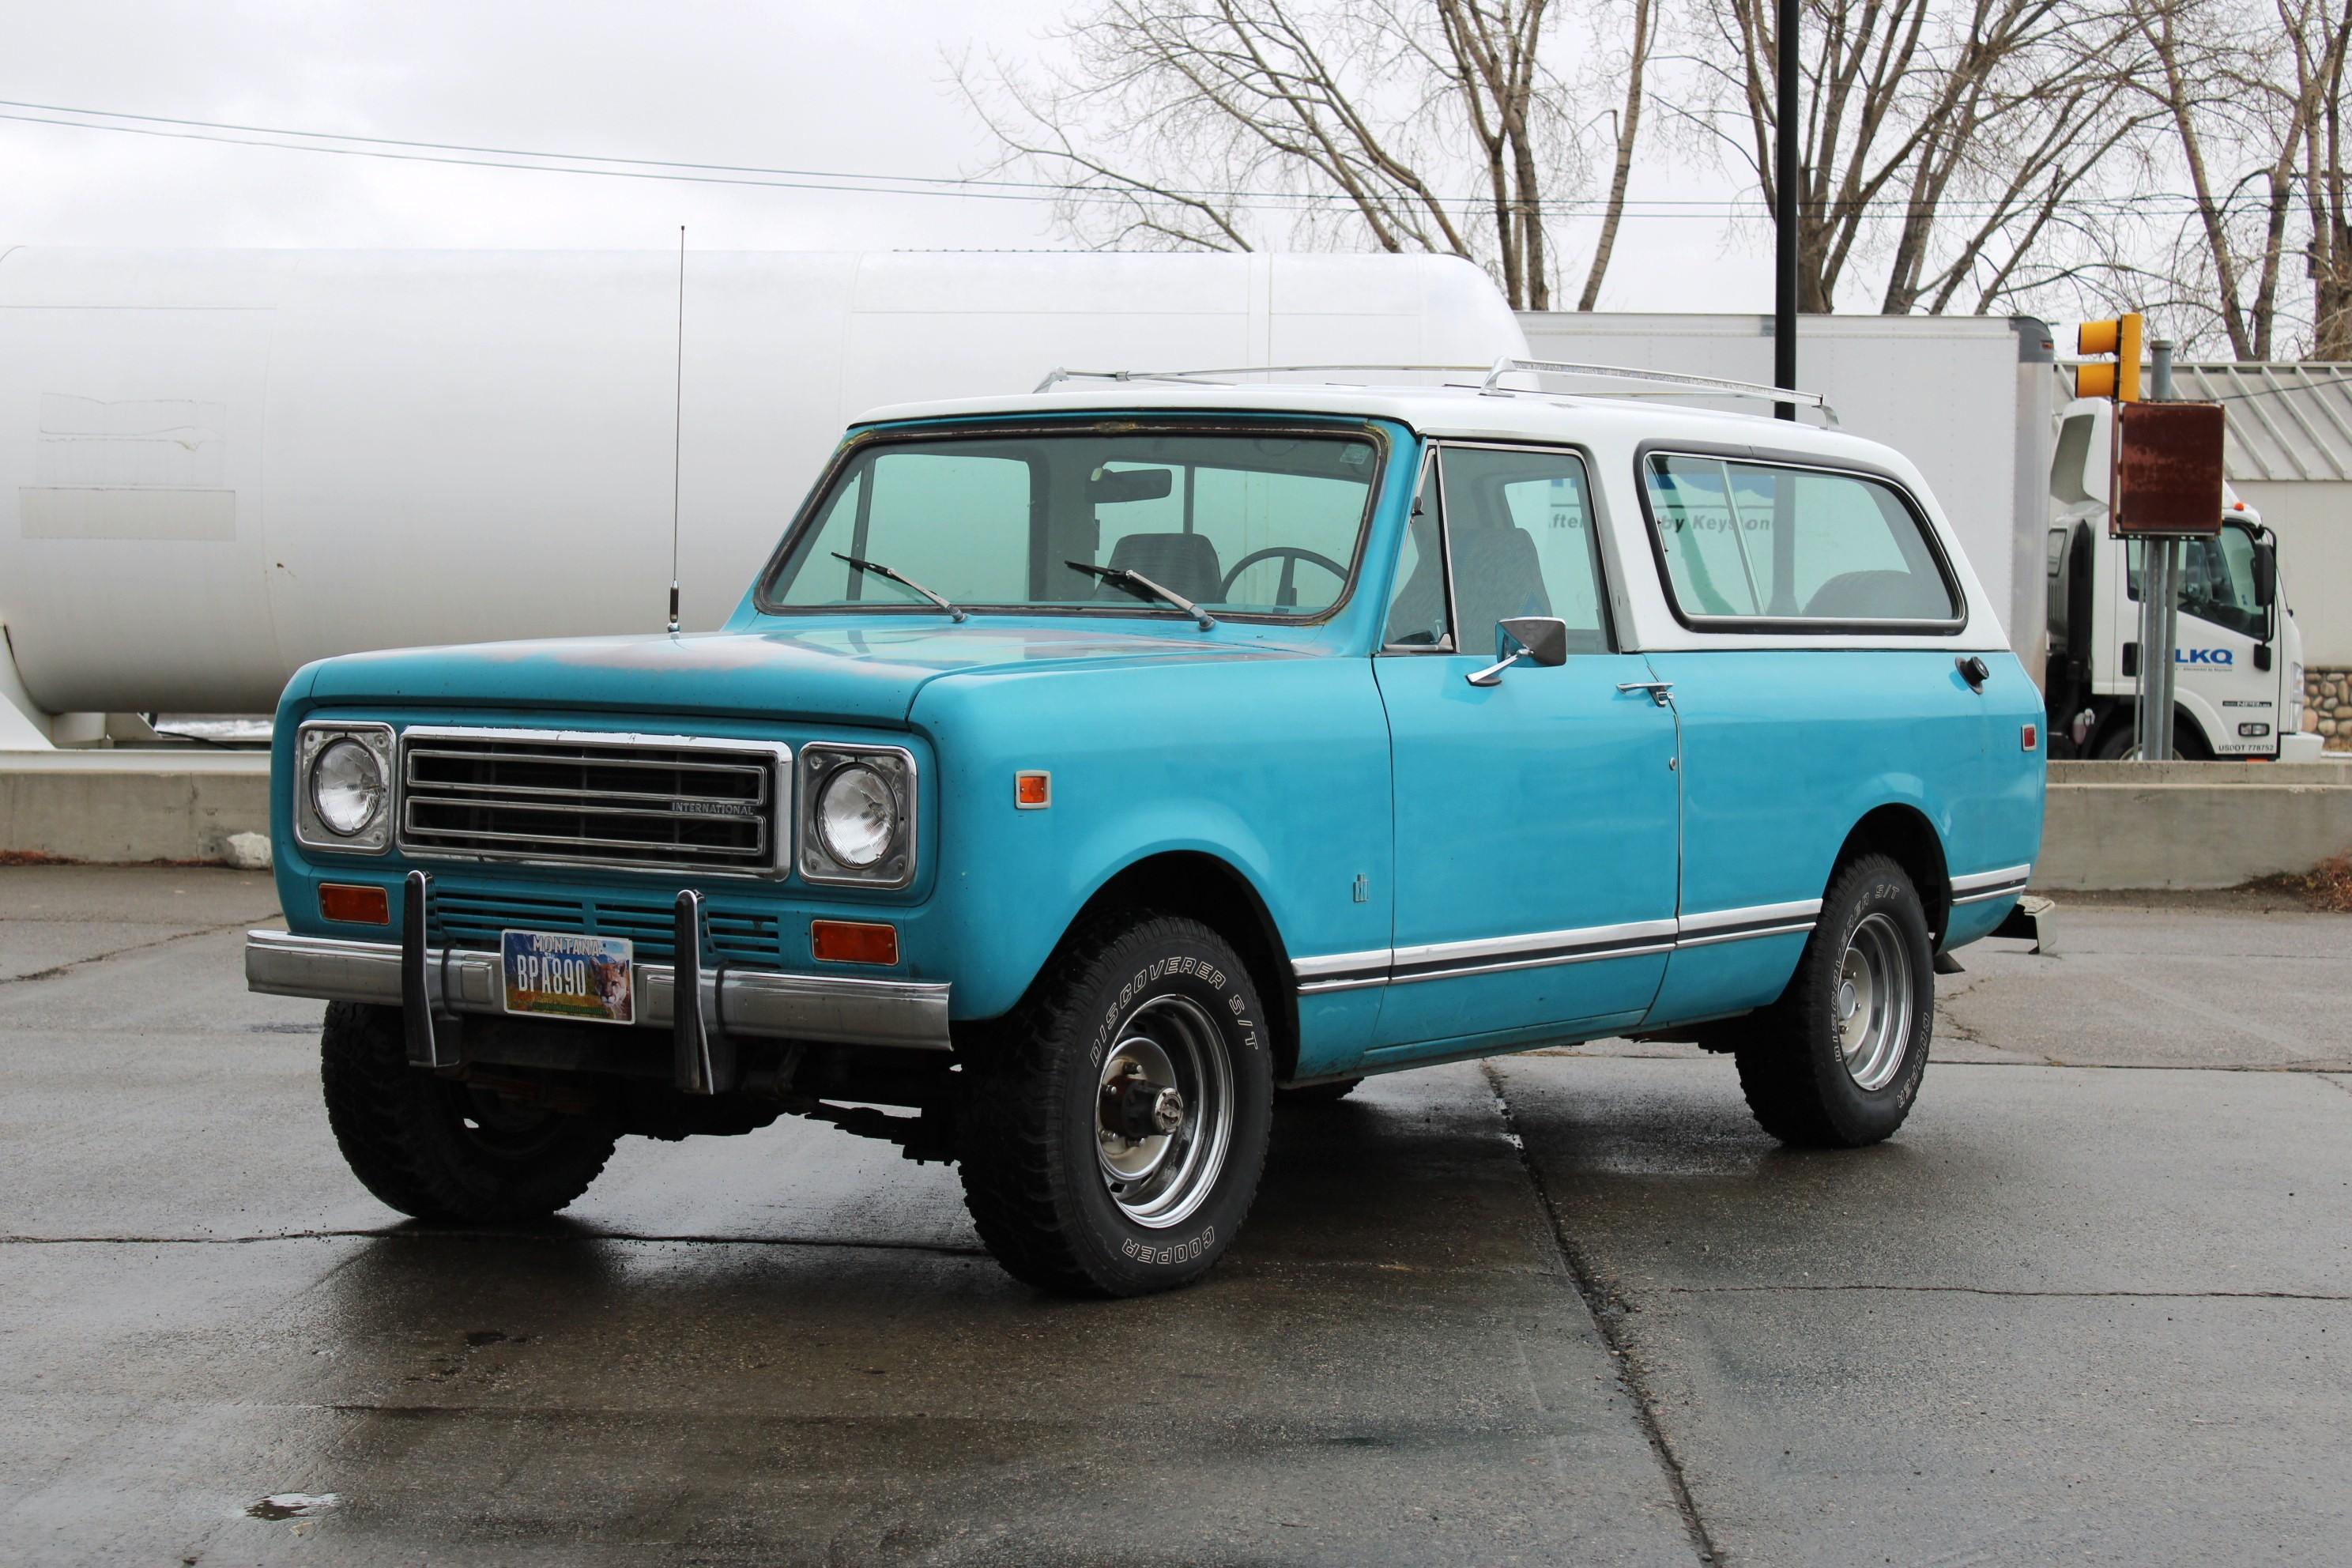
<point x="2121" y="338"/>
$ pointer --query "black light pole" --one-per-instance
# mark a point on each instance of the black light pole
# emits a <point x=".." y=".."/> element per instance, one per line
<point x="1784" y="217"/>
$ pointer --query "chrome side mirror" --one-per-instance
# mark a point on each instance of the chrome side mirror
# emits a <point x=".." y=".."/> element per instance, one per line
<point x="1536" y="639"/>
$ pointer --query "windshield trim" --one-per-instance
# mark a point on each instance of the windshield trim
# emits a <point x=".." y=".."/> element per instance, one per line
<point x="860" y="441"/>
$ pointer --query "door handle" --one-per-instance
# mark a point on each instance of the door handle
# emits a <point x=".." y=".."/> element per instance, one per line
<point x="1658" y="689"/>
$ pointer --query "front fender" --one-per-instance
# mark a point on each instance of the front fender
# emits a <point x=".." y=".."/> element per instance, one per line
<point x="1278" y="767"/>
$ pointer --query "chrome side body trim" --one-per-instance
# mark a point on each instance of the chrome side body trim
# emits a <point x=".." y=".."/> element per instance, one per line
<point x="822" y="1008"/>
<point x="1538" y="950"/>
<point x="1978" y="887"/>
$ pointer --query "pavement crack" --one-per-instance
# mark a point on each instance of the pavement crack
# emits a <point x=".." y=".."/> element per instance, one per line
<point x="70" y="965"/>
<point x="419" y="1232"/>
<point x="1999" y="1290"/>
<point x="1605" y="1313"/>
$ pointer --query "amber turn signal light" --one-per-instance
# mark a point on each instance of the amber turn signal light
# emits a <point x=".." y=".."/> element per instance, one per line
<point x="1032" y="790"/>
<point x="853" y="941"/>
<point x="355" y="902"/>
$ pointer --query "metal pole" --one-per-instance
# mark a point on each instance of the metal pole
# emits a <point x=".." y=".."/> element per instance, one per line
<point x="2160" y="614"/>
<point x="1784" y="217"/>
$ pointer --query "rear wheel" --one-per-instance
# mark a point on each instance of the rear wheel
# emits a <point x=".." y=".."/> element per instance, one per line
<point x="440" y="1149"/>
<point x="2122" y="742"/>
<point x="1118" y="1120"/>
<point x="1837" y="1061"/>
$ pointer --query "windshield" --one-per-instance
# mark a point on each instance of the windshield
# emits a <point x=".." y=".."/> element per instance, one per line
<point x="1239" y="524"/>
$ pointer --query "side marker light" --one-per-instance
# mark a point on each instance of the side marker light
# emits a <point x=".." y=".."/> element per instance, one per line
<point x="853" y="941"/>
<point x="355" y="903"/>
<point x="1032" y="789"/>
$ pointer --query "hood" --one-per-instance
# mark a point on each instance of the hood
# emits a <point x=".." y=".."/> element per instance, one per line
<point x="855" y="674"/>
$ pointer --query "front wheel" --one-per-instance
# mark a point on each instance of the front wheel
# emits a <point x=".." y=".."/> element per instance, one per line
<point x="1837" y="1061"/>
<point x="1118" y="1120"/>
<point x="440" y="1149"/>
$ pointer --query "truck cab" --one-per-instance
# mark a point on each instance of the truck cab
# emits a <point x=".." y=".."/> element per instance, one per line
<point x="2238" y="666"/>
<point x="1087" y="769"/>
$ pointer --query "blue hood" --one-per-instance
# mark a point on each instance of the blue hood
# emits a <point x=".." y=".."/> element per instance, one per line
<point x="863" y="673"/>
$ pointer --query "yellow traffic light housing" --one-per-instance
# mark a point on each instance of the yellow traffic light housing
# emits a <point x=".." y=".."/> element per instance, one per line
<point x="2121" y="338"/>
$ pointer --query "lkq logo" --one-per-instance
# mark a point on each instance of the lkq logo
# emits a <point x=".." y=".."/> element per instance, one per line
<point x="2210" y="656"/>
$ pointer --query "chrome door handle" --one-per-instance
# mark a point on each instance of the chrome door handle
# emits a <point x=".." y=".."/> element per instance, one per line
<point x="1658" y="689"/>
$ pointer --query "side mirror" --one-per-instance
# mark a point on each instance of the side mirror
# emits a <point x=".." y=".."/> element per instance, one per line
<point x="1534" y="639"/>
<point x="1545" y="638"/>
<point x="2265" y="574"/>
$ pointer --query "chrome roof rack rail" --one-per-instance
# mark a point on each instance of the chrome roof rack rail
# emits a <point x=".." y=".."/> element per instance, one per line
<point x="1208" y="377"/>
<point x="1706" y="385"/>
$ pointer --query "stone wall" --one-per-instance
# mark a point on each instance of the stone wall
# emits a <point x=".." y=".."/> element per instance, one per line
<point x="2327" y="706"/>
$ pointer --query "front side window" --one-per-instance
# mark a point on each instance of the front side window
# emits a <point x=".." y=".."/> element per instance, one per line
<point x="2217" y="581"/>
<point x="1262" y="524"/>
<point x="1745" y="542"/>
<point x="1520" y="535"/>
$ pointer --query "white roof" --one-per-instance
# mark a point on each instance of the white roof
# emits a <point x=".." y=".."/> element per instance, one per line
<point x="1464" y="412"/>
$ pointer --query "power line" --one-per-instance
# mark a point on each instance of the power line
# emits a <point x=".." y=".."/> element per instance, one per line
<point x="969" y="189"/>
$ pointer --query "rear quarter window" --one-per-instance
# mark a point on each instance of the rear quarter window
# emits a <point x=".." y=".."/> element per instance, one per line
<point x="1763" y="542"/>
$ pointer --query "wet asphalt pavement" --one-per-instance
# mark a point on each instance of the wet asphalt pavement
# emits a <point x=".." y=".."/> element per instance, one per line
<point x="2093" y="1304"/>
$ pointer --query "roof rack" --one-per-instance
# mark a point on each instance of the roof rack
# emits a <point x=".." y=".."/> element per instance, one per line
<point x="1705" y="385"/>
<point x="1711" y="386"/>
<point x="1060" y="374"/>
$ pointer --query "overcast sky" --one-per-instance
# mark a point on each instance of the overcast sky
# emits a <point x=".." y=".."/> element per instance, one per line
<point x="858" y="88"/>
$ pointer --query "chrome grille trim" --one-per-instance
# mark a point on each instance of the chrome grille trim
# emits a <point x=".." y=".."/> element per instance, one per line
<point x="725" y="805"/>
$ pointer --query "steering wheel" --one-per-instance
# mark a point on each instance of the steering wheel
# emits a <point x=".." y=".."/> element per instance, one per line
<point x="1285" y="592"/>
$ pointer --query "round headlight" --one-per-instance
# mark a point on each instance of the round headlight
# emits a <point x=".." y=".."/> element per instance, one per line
<point x="346" y="787"/>
<point x="856" y="816"/>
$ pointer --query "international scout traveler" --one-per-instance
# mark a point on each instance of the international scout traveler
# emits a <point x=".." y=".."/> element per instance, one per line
<point x="1088" y="769"/>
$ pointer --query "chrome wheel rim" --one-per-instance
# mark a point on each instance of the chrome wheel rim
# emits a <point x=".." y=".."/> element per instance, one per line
<point x="1163" y="1112"/>
<point x="1873" y="1003"/>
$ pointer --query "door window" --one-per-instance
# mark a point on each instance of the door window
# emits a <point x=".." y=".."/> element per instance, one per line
<point x="1521" y="541"/>
<point x="2217" y="581"/>
<point x="1763" y="542"/>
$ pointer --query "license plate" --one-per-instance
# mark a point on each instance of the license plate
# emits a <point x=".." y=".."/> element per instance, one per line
<point x="557" y="974"/>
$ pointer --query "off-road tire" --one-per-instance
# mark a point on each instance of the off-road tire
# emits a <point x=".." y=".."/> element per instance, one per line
<point x="1328" y="1092"/>
<point x="403" y="1131"/>
<point x="1027" y="1136"/>
<point x="1792" y="1065"/>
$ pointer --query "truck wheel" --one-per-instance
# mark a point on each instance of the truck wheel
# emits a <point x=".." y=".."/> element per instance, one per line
<point x="1117" y="1124"/>
<point x="1836" y="1061"/>
<point x="442" y="1150"/>
<point x="2188" y="743"/>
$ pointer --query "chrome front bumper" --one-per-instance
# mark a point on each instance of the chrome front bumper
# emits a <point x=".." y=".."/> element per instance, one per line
<point x="820" y="1008"/>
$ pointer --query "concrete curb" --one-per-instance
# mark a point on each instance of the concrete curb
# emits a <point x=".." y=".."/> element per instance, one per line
<point x="122" y="805"/>
<point x="2111" y="826"/>
<point x="2108" y="827"/>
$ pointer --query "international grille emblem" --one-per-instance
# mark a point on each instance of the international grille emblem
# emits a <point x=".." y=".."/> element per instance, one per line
<point x="713" y="808"/>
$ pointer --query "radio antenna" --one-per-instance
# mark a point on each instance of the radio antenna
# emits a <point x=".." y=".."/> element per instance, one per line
<point x="678" y="429"/>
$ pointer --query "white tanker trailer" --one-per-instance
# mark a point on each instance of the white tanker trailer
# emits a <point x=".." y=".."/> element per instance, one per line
<point x="224" y="464"/>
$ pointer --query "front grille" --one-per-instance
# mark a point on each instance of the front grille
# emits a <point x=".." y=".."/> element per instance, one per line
<point x="735" y="933"/>
<point x="662" y="802"/>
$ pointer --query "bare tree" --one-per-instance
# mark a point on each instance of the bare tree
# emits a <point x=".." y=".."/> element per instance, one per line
<point x="1402" y="125"/>
<point x="1950" y="140"/>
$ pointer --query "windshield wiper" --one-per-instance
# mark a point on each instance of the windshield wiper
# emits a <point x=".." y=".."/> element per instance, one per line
<point x="904" y="581"/>
<point x="1135" y="582"/>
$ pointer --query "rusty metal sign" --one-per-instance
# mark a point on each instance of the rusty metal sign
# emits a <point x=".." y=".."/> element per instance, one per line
<point x="2168" y="470"/>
